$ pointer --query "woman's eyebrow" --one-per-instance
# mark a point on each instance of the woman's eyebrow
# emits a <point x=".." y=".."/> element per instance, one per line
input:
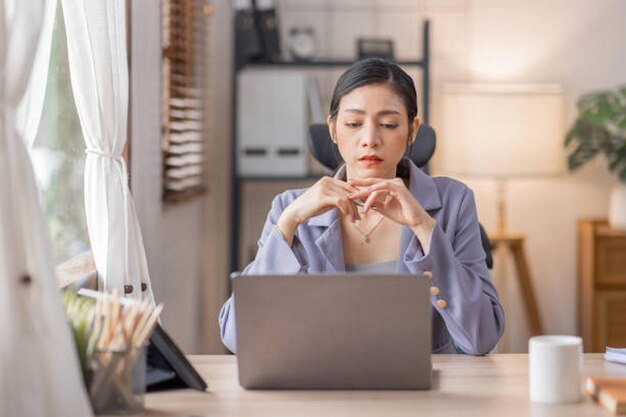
<point x="380" y="113"/>
<point x="388" y="112"/>
<point x="356" y="111"/>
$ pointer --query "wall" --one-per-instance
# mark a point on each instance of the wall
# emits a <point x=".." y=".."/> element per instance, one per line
<point x="573" y="43"/>
<point x="577" y="44"/>
<point x="216" y="246"/>
<point x="172" y="236"/>
<point x="187" y="244"/>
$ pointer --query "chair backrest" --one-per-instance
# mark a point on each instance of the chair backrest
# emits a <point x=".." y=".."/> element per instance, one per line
<point x="420" y="152"/>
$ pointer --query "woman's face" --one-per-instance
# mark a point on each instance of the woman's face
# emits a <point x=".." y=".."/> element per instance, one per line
<point x="371" y="131"/>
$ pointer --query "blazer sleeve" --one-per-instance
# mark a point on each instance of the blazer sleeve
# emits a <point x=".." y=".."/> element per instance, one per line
<point x="473" y="313"/>
<point x="274" y="256"/>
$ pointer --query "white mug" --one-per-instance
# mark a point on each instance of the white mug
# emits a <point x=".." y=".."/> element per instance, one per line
<point x="554" y="367"/>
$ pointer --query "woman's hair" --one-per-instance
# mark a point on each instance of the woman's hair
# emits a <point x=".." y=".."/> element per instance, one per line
<point x="375" y="71"/>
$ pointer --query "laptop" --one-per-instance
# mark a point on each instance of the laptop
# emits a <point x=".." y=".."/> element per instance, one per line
<point x="348" y="331"/>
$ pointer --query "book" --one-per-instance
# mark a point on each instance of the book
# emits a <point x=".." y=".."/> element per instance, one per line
<point x="615" y="355"/>
<point x="610" y="392"/>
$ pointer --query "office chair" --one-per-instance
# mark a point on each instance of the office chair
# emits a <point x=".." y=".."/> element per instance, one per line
<point x="420" y="152"/>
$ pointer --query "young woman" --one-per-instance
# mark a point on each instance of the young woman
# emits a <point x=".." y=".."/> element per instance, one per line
<point x="368" y="218"/>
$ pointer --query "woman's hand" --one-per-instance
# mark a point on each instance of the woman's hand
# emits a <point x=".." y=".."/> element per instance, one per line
<point x="391" y="198"/>
<point x="326" y="194"/>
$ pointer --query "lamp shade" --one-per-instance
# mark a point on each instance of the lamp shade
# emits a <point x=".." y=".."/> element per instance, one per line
<point x="502" y="131"/>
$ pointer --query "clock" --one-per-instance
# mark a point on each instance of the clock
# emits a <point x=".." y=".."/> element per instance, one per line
<point x="302" y="43"/>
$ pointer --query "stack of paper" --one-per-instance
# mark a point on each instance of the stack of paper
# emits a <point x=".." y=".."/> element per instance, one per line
<point x="608" y="391"/>
<point x="615" y="355"/>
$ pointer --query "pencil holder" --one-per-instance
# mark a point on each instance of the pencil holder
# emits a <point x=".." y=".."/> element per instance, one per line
<point x="118" y="380"/>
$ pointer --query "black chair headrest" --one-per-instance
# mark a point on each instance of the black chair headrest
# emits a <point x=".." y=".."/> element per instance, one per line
<point x="327" y="154"/>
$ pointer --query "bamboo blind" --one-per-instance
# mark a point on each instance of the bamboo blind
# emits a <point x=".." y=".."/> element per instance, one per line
<point x="184" y="29"/>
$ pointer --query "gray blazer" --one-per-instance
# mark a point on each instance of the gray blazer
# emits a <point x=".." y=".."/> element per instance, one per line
<point x="473" y="319"/>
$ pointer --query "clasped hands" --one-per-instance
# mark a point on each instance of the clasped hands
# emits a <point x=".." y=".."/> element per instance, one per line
<point x="389" y="197"/>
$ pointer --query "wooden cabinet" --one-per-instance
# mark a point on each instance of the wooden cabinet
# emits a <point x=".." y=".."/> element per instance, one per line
<point x="602" y="285"/>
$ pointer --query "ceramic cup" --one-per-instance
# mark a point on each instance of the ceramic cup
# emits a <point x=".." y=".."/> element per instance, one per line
<point x="555" y="365"/>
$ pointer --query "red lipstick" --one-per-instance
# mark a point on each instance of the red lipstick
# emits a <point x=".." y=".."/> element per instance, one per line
<point x="370" y="159"/>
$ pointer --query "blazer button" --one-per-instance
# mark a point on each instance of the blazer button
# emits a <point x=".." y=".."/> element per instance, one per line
<point x="441" y="303"/>
<point x="428" y="274"/>
<point x="434" y="290"/>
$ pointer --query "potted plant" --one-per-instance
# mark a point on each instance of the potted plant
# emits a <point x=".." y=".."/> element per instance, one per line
<point x="601" y="128"/>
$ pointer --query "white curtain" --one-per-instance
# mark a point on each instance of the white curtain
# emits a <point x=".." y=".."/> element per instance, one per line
<point x="96" y="34"/>
<point x="39" y="371"/>
<point x="30" y="109"/>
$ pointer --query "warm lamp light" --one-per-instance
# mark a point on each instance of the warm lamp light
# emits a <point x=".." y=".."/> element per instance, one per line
<point x="502" y="132"/>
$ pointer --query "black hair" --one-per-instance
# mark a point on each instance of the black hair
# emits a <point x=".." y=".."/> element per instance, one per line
<point x="375" y="71"/>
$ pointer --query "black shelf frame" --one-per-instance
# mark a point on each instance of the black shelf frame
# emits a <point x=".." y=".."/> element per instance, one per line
<point x="236" y="179"/>
<point x="322" y="62"/>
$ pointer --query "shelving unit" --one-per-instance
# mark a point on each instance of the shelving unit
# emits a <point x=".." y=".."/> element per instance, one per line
<point x="236" y="179"/>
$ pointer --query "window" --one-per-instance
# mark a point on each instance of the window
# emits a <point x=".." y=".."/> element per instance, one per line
<point x="183" y="42"/>
<point x="59" y="156"/>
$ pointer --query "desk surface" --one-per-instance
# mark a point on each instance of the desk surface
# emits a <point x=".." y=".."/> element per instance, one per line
<point x="495" y="385"/>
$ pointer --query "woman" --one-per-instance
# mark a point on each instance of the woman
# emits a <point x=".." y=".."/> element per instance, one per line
<point x="367" y="217"/>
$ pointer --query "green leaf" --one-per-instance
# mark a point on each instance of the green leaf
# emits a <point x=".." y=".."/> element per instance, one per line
<point x="605" y="109"/>
<point x="599" y="128"/>
<point x="581" y="154"/>
<point x="80" y="312"/>
<point x="622" y="175"/>
<point x="617" y="158"/>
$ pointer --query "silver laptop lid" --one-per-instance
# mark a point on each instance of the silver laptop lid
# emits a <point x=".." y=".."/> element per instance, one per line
<point x="348" y="331"/>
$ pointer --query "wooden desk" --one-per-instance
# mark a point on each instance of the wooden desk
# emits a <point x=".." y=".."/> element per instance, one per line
<point x="495" y="385"/>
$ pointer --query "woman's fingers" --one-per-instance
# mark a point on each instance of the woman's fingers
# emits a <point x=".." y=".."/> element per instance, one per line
<point x="332" y="198"/>
<point x="347" y="207"/>
<point x="396" y="189"/>
<point x="391" y="185"/>
<point x="378" y="186"/>
<point x="326" y="194"/>
<point x="337" y="186"/>
<point x="373" y="200"/>
<point x="341" y="190"/>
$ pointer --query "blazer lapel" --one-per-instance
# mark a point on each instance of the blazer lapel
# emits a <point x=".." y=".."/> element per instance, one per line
<point x="329" y="242"/>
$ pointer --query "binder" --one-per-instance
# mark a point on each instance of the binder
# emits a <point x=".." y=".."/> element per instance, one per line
<point x="256" y="31"/>
<point x="254" y="136"/>
<point x="272" y="123"/>
<point x="247" y="43"/>
<point x="268" y="27"/>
